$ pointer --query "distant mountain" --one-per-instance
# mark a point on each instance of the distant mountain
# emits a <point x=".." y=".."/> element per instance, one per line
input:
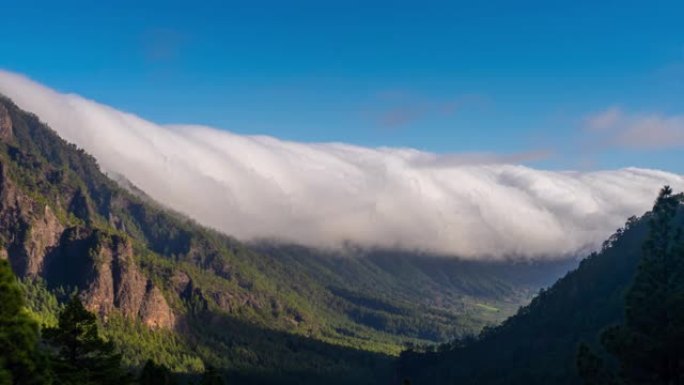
<point x="539" y="344"/>
<point x="168" y="289"/>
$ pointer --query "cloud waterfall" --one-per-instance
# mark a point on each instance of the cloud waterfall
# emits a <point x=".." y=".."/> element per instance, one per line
<point x="329" y="193"/>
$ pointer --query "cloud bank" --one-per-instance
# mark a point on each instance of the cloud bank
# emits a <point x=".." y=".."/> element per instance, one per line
<point x="331" y="193"/>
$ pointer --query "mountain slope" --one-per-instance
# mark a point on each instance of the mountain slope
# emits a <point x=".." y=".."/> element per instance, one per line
<point x="186" y="295"/>
<point x="65" y="227"/>
<point x="538" y="345"/>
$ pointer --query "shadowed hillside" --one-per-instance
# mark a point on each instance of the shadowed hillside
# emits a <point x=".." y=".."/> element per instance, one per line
<point x="539" y="344"/>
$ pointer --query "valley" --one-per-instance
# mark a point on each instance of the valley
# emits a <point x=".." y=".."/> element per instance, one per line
<point x="197" y="297"/>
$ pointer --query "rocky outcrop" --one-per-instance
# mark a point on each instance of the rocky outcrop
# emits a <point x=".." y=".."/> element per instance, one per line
<point x="101" y="266"/>
<point x="43" y="234"/>
<point x="155" y="311"/>
<point x="30" y="230"/>
<point x="112" y="280"/>
<point x="54" y="209"/>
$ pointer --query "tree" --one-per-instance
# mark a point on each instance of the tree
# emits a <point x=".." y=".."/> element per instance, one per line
<point x="5" y="375"/>
<point x="82" y="356"/>
<point x="211" y="377"/>
<point x="649" y="345"/>
<point x="592" y="368"/>
<point x="153" y="374"/>
<point x="21" y="362"/>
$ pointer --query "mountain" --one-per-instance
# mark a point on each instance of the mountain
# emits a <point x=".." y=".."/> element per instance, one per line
<point x="186" y="296"/>
<point x="539" y="344"/>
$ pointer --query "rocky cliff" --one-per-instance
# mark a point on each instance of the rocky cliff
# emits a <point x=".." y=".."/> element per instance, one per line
<point x="43" y="239"/>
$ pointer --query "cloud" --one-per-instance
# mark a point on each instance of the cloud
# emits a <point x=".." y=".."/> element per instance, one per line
<point x="604" y="120"/>
<point x="477" y="158"/>
<point x="637" y="131"/>
<point x="653" y="132"/>
<point x="329" y="193"/>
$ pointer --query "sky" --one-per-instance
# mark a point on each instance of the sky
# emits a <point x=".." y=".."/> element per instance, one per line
<point x="554" y="85"/>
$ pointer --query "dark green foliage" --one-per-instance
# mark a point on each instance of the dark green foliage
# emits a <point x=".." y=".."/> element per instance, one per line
<point x="592" y="368"/>
<point x="138" y="344"/>
<point x="252" y="355"/>
<point x="211" y="377"/>
<point x="41" y="302"/>
<point x="82" y="357"/>
<point x="153" y="374"/>
<point x="5" y="375"/>
<point x="21" y="361"/>
<point x="649" y="345"/>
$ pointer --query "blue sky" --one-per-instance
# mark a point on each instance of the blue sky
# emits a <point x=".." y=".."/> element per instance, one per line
<point x="558" y="85"/>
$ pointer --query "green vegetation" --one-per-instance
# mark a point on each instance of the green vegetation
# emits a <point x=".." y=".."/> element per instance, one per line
<point x="80" y="355"/>
<point x="139" y="344"/>
<point x="21" y="362"/>
<point x="153" y="374"/>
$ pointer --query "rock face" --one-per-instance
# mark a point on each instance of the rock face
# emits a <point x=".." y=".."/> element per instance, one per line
<point x="29" y="229"/>
<point x="154" y="310"/>
<point x="115" y="282"/>
<point x="101" y="266"/>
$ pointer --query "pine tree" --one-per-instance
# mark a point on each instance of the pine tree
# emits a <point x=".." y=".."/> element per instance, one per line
<point x="592" y="368"/>
<point x="153" y="374"/>
<point x="211" y="377"/>
<point x="20" y="360"/>
<point x="649" y="345"/>
<point x="5" y="375"/>
<point x="83" y="357"/>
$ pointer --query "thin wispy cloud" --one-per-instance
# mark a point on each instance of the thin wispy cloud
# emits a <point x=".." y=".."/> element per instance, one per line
<point x="606" y="119"/>
<point x="616" y="128"/>
<point x="331" y="193"/>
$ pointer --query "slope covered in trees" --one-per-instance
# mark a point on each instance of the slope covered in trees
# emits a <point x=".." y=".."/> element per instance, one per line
<point x="649" y="344"/>
<point x="540" y="343"/>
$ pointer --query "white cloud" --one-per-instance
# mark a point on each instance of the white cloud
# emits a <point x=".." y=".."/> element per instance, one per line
<point x="325" y="194"/>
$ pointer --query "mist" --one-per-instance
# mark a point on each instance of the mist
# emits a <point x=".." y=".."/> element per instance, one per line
<point x="328" y="194"/>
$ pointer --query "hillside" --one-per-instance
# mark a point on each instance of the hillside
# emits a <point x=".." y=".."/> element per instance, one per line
<point x="195" y="296"/>
<point x="539" y="344"/>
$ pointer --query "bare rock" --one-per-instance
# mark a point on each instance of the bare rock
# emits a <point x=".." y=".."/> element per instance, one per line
<point x="44" y="233"/>
<point x="117" y="283"/>
<point x="155" y="311"/>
